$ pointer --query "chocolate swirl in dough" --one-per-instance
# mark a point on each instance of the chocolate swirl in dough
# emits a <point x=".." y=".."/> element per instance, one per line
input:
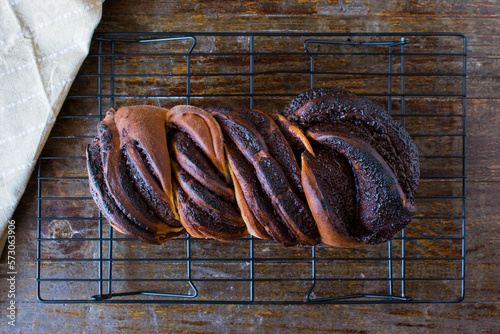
<point x="333" y="168"/>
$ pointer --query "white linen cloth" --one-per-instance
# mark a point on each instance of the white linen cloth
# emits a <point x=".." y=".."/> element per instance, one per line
<point x="42" y="46"/>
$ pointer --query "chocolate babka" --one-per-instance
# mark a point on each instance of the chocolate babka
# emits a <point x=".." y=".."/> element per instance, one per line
<point x="332" y="168"/>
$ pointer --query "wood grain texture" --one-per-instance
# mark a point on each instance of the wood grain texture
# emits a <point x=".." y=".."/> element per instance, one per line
<point x="478" y="313"/>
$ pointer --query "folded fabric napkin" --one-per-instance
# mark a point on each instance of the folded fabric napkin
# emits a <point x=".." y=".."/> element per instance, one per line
<point x="42" y="46"/>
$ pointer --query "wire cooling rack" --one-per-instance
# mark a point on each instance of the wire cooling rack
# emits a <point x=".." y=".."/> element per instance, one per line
<point x="419" y="78"/>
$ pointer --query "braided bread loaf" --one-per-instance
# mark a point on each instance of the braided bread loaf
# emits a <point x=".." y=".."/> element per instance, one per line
<point x="333" y="168"/>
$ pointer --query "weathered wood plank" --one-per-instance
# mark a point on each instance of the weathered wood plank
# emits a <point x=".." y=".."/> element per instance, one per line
<point x="483" y="144"/>
<point x="326" y="8"/>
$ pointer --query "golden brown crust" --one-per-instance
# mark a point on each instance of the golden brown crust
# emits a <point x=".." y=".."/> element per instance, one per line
<point x="144" y="125"/>
<point x="295" y="137"/>
<point x="252" y="223"/>
<point x="204" y="130"/>
<point x="115" y="194"/>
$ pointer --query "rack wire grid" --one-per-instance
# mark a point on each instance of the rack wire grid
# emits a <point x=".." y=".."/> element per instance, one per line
<point x="419" y="78"/>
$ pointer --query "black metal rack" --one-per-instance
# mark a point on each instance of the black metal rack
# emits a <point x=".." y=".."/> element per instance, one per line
<point x="419" y="77"/>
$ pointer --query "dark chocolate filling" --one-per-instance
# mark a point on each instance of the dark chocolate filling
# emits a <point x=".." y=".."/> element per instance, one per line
<point x="147" y="162"/>
<point x="149" y="199"/>
<point x="246" y="137"/>
<point x="278" y="148"/>
<point x="208" y="197"/>
<point x="194" y="162"/>
<point x="133" y="188"/>
<point x="347" y="111"/>
<point x="338" y="187"/>
<point x="207" y="218"/>
<point x="257" y="199"/>
<point x="108" y="206"/>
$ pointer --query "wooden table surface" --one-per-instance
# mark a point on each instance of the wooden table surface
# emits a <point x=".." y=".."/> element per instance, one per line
<point x="478" y="20"/>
